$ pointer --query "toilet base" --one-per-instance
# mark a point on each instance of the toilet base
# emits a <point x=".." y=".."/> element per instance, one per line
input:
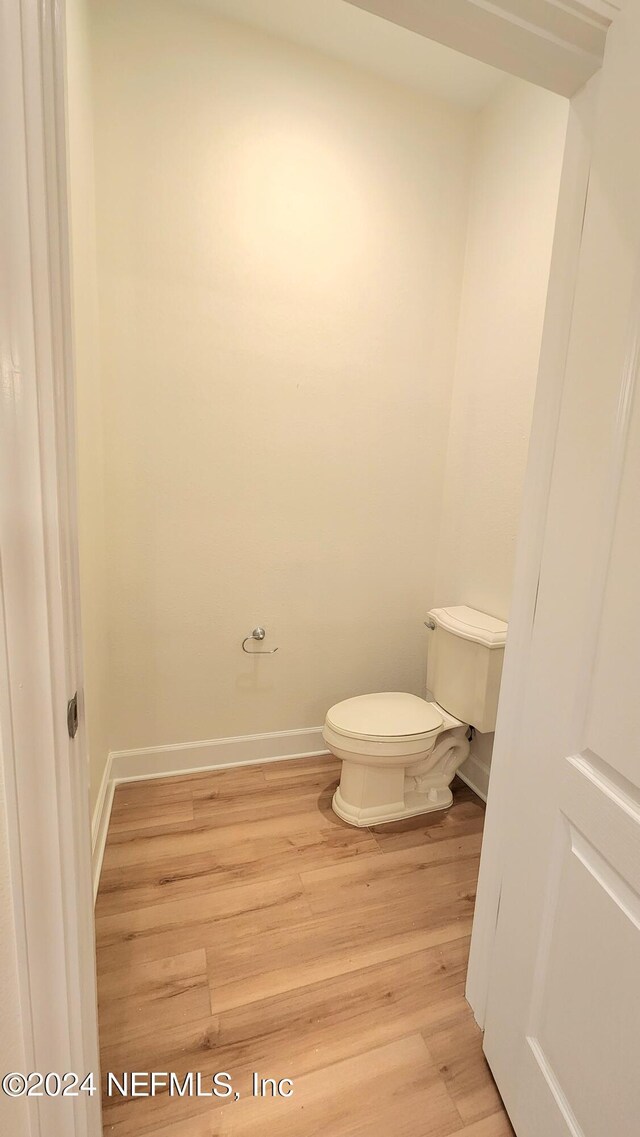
<point x="413" y="805"/>
<point x="375" y="789"/>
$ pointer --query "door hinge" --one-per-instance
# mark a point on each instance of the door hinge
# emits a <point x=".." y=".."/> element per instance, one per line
<point x="72" y="716"/>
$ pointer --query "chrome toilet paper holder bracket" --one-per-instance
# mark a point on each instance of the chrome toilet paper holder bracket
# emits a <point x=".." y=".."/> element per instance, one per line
<point x="257" y="634"/>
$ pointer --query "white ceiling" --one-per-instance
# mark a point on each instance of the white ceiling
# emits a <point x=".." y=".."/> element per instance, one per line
<point x="364" y="40"/>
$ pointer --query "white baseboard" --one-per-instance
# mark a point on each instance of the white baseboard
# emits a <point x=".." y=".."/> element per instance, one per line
<point x="100" y="823"/>
<point x="475" y="774"/>
<point x="189" y="757"/>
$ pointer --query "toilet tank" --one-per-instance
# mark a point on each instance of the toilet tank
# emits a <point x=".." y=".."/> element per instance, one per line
<point x="464" y="664"/>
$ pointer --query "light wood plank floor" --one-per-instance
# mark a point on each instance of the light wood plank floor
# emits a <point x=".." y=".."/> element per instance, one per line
<point x="242" y="927"/>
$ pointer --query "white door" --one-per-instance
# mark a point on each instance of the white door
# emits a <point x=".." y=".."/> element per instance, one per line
<point x="563" y="1012"/>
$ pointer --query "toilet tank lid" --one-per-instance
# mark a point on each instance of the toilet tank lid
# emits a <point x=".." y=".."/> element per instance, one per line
<point x="470" y="624"/>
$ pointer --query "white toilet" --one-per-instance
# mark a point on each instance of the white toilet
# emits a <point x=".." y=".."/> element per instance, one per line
<point x="399" y="752"/>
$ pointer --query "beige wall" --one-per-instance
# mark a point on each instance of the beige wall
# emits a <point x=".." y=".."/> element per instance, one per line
<point x="304" y="427"/>
<point x="514" y="194"/>
<point x="89" y="408"/>
<point x="281" y="242"/>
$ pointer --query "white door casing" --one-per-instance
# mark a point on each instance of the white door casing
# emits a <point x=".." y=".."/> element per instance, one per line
<point x="563" y="1010"/>
<point x="45" y="772"/>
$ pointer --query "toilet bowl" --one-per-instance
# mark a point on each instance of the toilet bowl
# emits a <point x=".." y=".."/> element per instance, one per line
<point x="399" y="752"/>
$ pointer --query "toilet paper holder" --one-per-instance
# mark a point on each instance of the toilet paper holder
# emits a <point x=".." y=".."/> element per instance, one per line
<point x="257" y="634"/>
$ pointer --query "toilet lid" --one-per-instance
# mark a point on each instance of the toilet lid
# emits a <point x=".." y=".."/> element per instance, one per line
<point x="385" y="716"/>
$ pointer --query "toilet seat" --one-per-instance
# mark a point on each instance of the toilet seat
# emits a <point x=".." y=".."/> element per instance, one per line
<point x="385" y="717"/>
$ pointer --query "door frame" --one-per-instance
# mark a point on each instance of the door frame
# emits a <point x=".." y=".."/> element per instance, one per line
<point x="49" y="820"/>
<point x="46" y="773"/>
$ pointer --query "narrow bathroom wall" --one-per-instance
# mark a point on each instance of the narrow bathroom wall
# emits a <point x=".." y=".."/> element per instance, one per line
<point x="89" y="405"/>
<point x="281" y="246"/>
<point x="514" y="195"/>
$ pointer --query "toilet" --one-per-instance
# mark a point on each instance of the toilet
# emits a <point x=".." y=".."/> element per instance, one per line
<point x="399" y="752"/>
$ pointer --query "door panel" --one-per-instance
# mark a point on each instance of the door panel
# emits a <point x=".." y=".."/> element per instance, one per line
<point x="583" y="1027"/>
<point x="563" y="1014"/>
